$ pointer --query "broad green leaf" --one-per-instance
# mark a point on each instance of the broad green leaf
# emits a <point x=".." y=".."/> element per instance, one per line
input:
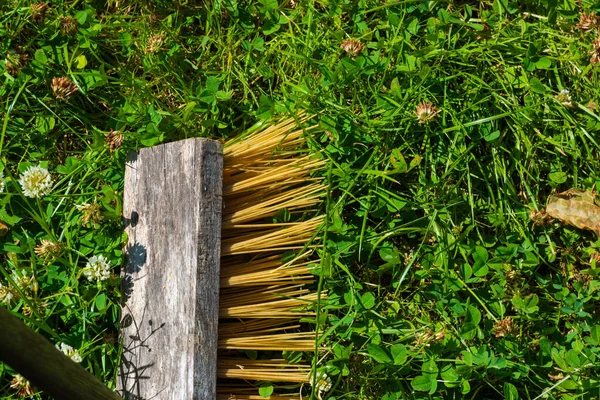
<point x="482" y="357"/>
<point x="498" y="363"/>
<point x="125" y="38"/>
<point x="393" y="202"/>
<point x="473" y="315"/>
<point x="212" y="84"/>
<point x="399" y="354"/>
<point x="368" y="300"/>
<point x="465" y="386"/>
<point x="44" y="124"/>
<point x="527" y="305"/>
<point x="398" y="162"/>
<point x="101" y="302"/>
<point x="510" y="391"/>
<point x="543" y="63"/>
<point x="80" y="62"/>
<point x="66" y="301"/>
<point x="81" y="17"/>
<point x="572" y="358"/>
<point x="390" y="255"/>
<point x="490" y="137"/>
<point x="40" y="56"/>
<point x="595" y="334"/>
<point x="415" y="162"/>
<point x="395" y="88"/>
<point x="468" y="331"/>
<point x="480" y="270"/>
<point x="466" y="271"/>
<point x="537" y="86"/>
<point x="430" y="367"/>
<point x="545" y="346"/>
<point x="480" y="255"/>
<point x="450" y="376"/>
<point x="558" y="177"/>
<point x="421" y="383"/>
<point x="378" y="354"/>
<point x="265" y="391"/>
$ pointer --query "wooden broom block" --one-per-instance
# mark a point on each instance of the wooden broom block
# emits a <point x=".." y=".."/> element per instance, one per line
<point x="172" y="208"/>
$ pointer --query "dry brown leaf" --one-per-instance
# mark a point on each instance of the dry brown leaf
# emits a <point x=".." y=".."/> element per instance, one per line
<point x="577" y="208"/>
<point x="3" y="229"/>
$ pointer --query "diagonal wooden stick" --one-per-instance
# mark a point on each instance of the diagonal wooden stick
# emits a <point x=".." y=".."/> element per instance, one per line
<point x="48" y="369"/>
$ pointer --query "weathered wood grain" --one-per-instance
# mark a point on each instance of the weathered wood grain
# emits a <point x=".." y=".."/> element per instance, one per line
<point x="172" y="206"/>
<point x="48" y="369"/>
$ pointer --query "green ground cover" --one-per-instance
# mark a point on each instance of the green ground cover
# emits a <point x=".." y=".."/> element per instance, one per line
<point x="447" y="125"/>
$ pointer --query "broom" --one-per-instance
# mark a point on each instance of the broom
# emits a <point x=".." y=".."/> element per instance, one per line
<point x="267" y="174"/>
<point x="265" y="271"/>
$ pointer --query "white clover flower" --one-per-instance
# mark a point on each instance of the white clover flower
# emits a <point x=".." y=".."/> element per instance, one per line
<point x="36" y="182"/>
<point x="2" y="182"/>
<point x="564" y="97"/>
<point x="97" y="268"/>
<point x="322" y="383"/>
<point x="69" y="352"/>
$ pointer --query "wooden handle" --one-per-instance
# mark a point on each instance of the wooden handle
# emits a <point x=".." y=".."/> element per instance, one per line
<point x="48" y="369"/>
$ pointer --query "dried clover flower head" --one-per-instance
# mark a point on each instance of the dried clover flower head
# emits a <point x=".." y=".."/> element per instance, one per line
<point x="35" y="307"/>
<point x="38" y="12"/>
<point x="97" y="268"/>
<point x="564" y="98"/>
<point x="36" y="182"/>
<point x="6" y="294"/>
<point x="67" y="25"/>
<point x="426" y="112"/>
<point x="557" y="377"/>
<point x="322" y="384"/>
<point x="428" y="336"/>
<point x="424" y="338"/>
<point x="512" y="275"/>
<point x="595" y="58"/>
<point x="505" y="327"/>
<point x="69" y="352"/>
<point x="540" y="217"/>
<point x="110" y="338"/>
<point x="439" y="336"/>
<point x="14" y="62"/>
<point x="63" y="87"/>
<point x="91" y="212"/>
<point x="47" y="249"/>
<point x="582" y="278"/>
<point x="22" y="386"/>
<point x="587" y="21"/>
<point x="25" y="283"/>
<point x="352" y="47"/>
<point x="154" y="43"/>
<point x="114" y="139"/>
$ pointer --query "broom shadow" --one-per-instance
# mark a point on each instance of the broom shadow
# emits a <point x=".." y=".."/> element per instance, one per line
<point x="131" y="375"/>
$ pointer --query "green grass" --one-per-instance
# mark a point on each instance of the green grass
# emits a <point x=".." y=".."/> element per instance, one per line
<point x="429" y="245"/>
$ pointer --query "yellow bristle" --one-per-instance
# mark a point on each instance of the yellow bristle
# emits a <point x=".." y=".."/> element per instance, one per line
<point x="264" y="370"/>
<point x="263" y="298"/>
